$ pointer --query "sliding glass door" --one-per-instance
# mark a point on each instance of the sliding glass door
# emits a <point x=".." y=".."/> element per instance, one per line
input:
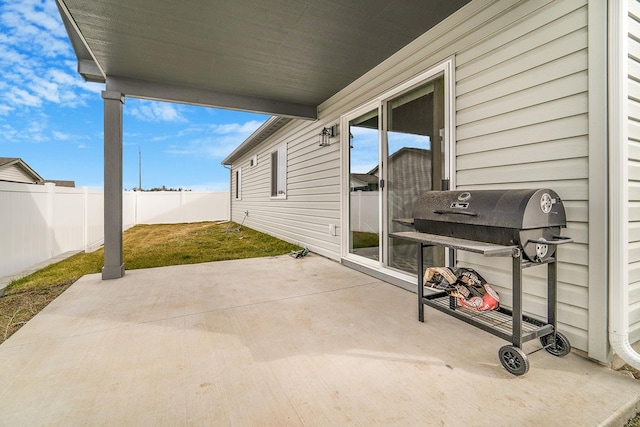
<point x="397" y="149"/>
<point x="364" y="185"/>
<point x="415" y="164"/>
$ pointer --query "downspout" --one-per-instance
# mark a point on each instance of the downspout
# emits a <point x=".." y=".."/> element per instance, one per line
<point x="230" y="169"/>
<point x="618" y="186"/>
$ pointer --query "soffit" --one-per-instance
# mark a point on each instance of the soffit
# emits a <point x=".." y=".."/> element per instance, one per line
<point x="294" y="51"/>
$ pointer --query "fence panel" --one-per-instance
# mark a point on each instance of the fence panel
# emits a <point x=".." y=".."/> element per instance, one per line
<point x="158" y="207"/>
<point x="129" y="202"/>
<point x="38" y="222"/>
<point x="68" y="219"/>
<point x="365" y="214"/>
<point x="24" y="226"/>
<point x="94" y="214"/>
<point x="205" y="206"/>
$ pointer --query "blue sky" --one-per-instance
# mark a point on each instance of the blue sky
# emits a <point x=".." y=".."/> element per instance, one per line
<point x="53" y="120"/>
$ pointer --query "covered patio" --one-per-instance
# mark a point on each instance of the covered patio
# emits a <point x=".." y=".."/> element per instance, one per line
<point x="280" y="341"/>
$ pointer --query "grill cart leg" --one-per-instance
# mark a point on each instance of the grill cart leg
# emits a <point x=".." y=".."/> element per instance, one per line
<point x="552" y="294"/>
<point x="420" y="246"/>
<point x="516" y="272"/>
<point x="555" y="343"/>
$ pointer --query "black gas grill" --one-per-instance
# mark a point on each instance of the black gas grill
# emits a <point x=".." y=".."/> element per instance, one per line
<point x="529" y="219"/>
<point x="524" y="225"/>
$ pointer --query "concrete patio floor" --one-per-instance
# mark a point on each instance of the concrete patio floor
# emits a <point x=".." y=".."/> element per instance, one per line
<point x="278" y="342"/>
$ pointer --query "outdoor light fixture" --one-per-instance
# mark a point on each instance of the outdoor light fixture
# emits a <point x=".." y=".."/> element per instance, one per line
<point x="326" y="134"/>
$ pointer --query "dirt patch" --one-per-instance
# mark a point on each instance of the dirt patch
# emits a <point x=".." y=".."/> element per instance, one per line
<point x="634" y="372"/>
<point x="17" y="308"/>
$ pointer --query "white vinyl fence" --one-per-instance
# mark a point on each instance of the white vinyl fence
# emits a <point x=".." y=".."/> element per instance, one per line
<point x="39" y="222"/>
<point x="365" y="214"/>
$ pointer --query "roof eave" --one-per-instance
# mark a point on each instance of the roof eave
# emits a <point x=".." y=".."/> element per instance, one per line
<point x="20" y="163"/>
<point x="88" y="66"/>
<point x="256" y="138"/>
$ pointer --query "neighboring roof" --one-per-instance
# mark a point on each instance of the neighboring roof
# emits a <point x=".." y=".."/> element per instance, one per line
<point x="273" y="56"/>
<point x="15" y="162"/>
<point x="61" y="183"/>
<point x="404" y="151"/>
<point x="365" y="178"/>
<point x="8" y="160"/>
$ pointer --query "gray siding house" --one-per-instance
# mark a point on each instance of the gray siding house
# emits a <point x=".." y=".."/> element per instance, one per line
<point x="501" y="94"/>
<point x="517" y="98"/>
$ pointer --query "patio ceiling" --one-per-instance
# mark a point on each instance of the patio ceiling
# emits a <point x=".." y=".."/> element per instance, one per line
<point x="280" y="57"/>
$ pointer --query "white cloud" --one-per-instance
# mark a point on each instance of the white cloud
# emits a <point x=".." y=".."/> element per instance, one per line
<point x="18" y="96"/>
<point x="61" y="136"/>
<point x="5" y="109"/>
<point x="8" y="134"/>
<point x="154" y="111"/>
<point x="36" y="60"/>
<point x="215" y="141"/>
<point x="237" y="128"/>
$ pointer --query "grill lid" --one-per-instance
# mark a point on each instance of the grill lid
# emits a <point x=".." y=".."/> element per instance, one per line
<point x="514" y="209"/>
<point x="530" y="219"/>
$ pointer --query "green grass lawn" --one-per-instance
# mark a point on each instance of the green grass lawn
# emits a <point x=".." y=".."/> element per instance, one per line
<point x="363" y="239"/>
<point x="144" y="246"/>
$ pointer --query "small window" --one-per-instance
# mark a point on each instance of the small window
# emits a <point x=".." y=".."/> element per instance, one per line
<point x="279" y="172"/>
<point x="238" y="184"/>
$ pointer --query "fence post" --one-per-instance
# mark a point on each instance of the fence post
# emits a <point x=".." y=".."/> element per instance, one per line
<point x="135" y="212"/>
<point x="50" y="186"/>
<point x="182" y="208"/>
<point x="85" y="227"/>
<point x="359" y="193"/>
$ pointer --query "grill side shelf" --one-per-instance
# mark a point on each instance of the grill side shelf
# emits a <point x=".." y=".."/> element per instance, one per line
<point x="486" y="249"/>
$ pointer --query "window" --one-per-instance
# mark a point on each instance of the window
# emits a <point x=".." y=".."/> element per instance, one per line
<point x="279" y="172"/>
<point x="238" y="182"/>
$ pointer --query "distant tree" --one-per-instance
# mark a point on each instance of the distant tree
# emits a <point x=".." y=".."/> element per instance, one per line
<point x="163" y="188"/>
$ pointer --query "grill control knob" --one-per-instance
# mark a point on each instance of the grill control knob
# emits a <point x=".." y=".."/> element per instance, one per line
<point x="546" y="203"/>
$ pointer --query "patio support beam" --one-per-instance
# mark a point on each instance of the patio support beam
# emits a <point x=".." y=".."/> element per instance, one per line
<point x="113" y="262"/>
<point x="209" y="98"/>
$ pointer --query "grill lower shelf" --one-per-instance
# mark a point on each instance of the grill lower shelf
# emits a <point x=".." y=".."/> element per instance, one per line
<point x="496" y="322"/>
<point x="502" y="323"/>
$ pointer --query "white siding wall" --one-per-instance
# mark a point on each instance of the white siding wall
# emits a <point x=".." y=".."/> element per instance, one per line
<point x="634" y="168"/>
<point x="313" y="190"/>
<point x="522" y="122"/>
<point x="521" y="117"/>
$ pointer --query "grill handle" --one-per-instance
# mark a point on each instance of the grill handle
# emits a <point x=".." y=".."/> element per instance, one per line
<point x="444" y="211"/>
<point x="558" y="240"/>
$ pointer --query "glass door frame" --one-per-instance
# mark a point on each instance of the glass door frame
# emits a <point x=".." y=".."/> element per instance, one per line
<point x="346" y="186"/>
<point x="446" y="68"/>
